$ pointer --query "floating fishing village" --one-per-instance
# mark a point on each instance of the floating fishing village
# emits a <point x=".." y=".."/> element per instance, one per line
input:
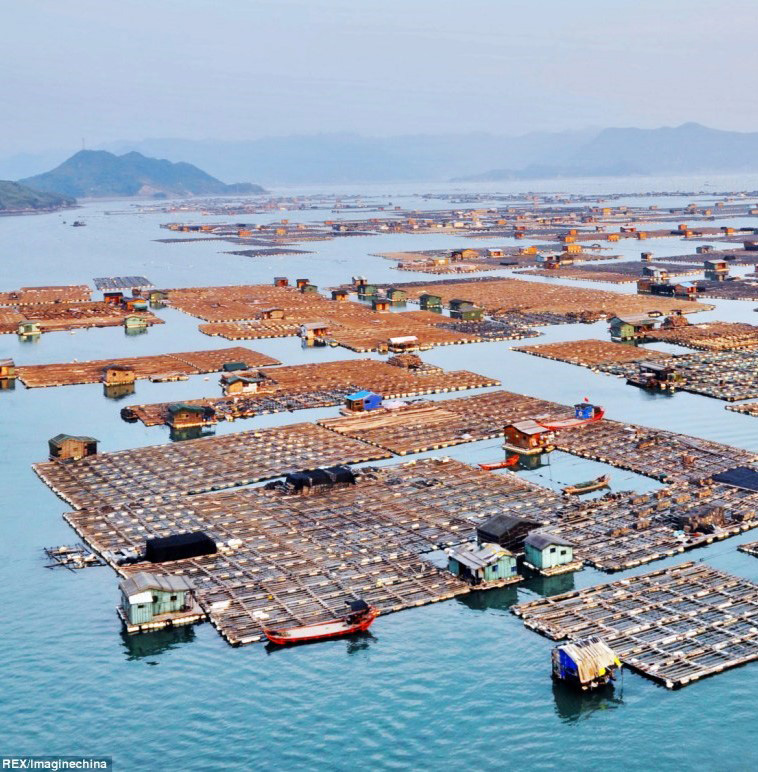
<point x="317" y="527"/>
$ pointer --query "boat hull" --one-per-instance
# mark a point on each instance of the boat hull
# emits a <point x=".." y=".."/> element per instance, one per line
<point x="319" y="632"/>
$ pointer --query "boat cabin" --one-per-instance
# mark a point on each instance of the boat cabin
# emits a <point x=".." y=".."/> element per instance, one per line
<point x="281" y="281"/>
<point x="29" y="328"/>
<point x="361" y="401"/>
<point x="585" y="664"/>
<point x="630" y="327"/>
<point x="157" y="296"/>
<point x="179" y="546"/>
<point x="340" y="295"/>
<point x="430" y="303"/>
<point x="135" y="304"/>
<point x="403" y="343"/>
<point x="118" y="374"/>
<point x="381" y="304"/>
<point x="145" y="596"/>
<point x="7" y="369"/>
<point x="546" y="551"/>
<point x="482" y="563"/>
<point x="527" y="437"/>
<point x="585" y="411"/>
<point x="660" y="373"/>
<point x="65" y="447"/>
<point x="181" y="415"/>
<point x="506" y="531"/>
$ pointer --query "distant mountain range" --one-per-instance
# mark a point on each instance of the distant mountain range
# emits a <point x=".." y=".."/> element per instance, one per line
<point x="350" y="158"/>
<point x="98" y="173"/>
<point x="19" y="198"/>
<point x="689" y="148"/>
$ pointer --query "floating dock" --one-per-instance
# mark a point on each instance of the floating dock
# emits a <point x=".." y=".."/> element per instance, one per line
<point x="159" y="366"/>
<point x="675" y="625"/>
<point x="615" y="273"/>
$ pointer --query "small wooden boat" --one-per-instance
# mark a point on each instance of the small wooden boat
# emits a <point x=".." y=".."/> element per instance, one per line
<point x="588" y="486"/>
<point x="359" y="620"/>
<point x="505" y="464"/>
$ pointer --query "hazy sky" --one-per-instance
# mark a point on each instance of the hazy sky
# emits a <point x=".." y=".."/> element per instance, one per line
<point x="236" y="69"/>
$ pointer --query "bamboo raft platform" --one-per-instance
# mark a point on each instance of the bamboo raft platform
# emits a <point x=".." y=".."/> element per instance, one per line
<point x="74" y="557"/>
<point x="615" y="273"/>
<point x="34" y="296"/>
<point x="287" y="559"/>
<point x="709" y="336"/>
<point x="662" y="455"/>
<point x="160" y="472"/>
<point x="423" y="426"/>
<point x="499" y="296"/>
<point x="301" y="387"/>
<point x="735" y="289"/>
<point x="55" y="316"/>
<point x="750" y="548"/>
<point x="729" y="375"/>
<point x="590" y="352"/>
<point x="675" y="625"/>
<point x="162" y="365"/>
<point x="747" y="408"/>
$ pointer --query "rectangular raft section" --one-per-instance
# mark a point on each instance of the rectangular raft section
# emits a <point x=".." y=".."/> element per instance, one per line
<point x="184" y="363"/>
<point x="195" y="466"/>
<point x="675" y="625"/>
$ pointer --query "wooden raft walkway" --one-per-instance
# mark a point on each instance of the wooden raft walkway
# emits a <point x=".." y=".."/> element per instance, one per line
<point x="675" y="625"/>
<point x="185" y="363"/>
<point x="287" y="559"/>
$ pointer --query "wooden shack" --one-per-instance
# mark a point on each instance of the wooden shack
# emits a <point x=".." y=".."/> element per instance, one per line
<point x="527" y="437"/>
<point x="135" y="322"/>
<point x="29" y="328"/>
<point x="360" y="401"/>
<point x="482" y="564"/>
<point x="273" y="312"/>
<point x="309" y="289"/>
<point x="283" y="281"/>
<point x="64" y="447"/>
<point x="7" y="369"/>
<point x="429" y="302"/>
<point x="396" y="296"/>
<point x="152" y="601"/>
<point x="631" y="327"/>
<point x="182" y="416"/>
<point x="114" y="374"/>
<point x="549" y="553"/>
<point x="506" y="531"/>
<point x="340" y="295"/>
<point x="313" y="330"/>
<point x="403" y="343"/>
<point x="716" y="270"/>
<point x="113" y="298"/>
<point x="240" y="384"/>
<point x="381" y="304"/>
<point x="464" y="310"/>
<point x="300" y="283"/>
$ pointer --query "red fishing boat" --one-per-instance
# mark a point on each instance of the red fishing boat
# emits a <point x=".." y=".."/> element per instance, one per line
<point x="505" y="464"/>
<point x="584" y="413"/>
<point x="358" y="620"/>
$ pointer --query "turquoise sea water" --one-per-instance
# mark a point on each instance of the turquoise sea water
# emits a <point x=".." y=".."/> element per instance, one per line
<point x="460" y="684"/>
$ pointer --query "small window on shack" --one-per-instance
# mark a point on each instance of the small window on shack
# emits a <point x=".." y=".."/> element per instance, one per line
<point x="173" y="597"/>
<point x="552" y="549"/>
<point x="155" y="598"/>
<point x="563" y="552"/>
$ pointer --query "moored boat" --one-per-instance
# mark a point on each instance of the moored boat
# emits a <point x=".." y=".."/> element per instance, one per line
<point x="358" y="620"/>
<point x="584" y="413"/>
<point x="505" y="464"/>
<point x="588" y="486"/>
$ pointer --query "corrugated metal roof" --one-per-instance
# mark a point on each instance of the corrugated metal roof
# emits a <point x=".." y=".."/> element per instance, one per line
<point x="476" y="557"/>
<point x="539" y="540"/>
<point x="143" y="581"/>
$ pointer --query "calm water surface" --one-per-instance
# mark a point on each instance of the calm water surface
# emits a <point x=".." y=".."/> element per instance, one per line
<point x="454" y="685"/>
